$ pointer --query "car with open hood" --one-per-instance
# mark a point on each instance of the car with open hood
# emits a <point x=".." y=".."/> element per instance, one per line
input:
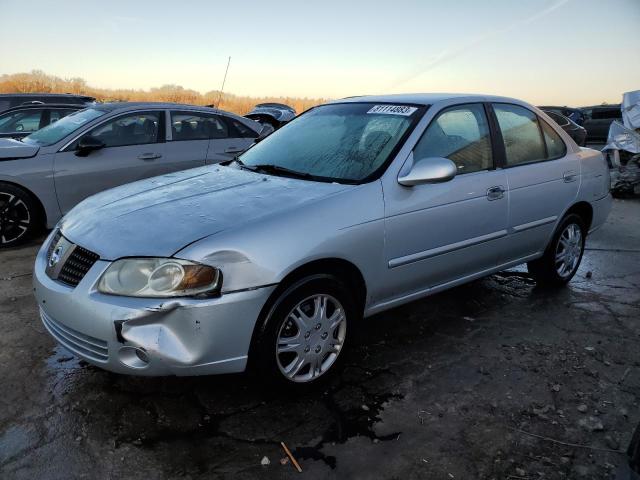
<point x="273" y="259"/>
<point x="45" y="174"/>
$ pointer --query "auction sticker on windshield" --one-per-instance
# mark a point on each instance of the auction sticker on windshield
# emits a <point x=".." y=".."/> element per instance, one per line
<point x="393" y="110"/>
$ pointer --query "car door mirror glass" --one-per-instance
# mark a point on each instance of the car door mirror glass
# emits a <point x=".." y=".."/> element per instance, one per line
<point x="429" y="170"/>
<point x="88" y="144"/>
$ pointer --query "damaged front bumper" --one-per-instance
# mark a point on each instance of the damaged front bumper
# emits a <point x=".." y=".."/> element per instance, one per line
<point x="143" y="336"/>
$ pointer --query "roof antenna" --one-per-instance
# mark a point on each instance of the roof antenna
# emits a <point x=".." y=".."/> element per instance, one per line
<point x="223" y="82"/>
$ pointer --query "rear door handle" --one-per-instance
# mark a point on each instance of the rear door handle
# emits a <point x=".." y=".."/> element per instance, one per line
<point x="495" y="193"/>
<point x="149" y="156"/>
<point x="234" y="150"/>
<point x="569" y="176"/>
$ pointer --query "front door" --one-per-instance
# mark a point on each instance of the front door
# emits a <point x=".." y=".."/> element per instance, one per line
<point x="133" y="150"/>
<point x="438" y="233"/>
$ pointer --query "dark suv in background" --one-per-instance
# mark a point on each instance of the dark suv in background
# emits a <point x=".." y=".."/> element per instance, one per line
<point x="597" y="120"/>
<point x="9" y="100"/>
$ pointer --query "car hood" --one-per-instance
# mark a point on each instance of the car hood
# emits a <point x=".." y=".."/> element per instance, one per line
<point x="11" y="149"/>
<point x="159" y="216"/>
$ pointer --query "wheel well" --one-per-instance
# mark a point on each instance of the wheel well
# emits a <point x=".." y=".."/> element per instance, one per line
<point x="584" y="210"/>
<point x="41" y="212"/>
<point x="342" y="269"/>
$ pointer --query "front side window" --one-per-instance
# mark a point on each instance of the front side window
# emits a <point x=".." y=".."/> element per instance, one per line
<point x="195" y="126"/>
<point x="20" y="121"/>
<point x="342" y="142"/>
<point x="461" y="134"/>
<point x="133" y="129"/>
<point x="55" y="132"/>
<point x="521" y="134"/>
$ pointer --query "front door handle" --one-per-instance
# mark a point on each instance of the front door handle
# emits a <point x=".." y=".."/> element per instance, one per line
<point x="234" y="150"/>
<point x="495" y="193"/>
<point x="569" y="176"/>
<point x="149" y="156"/>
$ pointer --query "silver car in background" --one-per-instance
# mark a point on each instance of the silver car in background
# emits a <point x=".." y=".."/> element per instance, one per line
<point x="45" y="174"/>
<point x="354" y="207"/>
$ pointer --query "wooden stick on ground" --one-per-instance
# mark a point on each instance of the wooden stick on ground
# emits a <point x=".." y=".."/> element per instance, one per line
<point x="291" y="457"/>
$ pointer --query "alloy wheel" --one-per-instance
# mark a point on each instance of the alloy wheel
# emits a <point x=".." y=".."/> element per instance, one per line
<point x="568" y="250"/>
<point x="15" y="218"/>
<point x="311" y="338"/>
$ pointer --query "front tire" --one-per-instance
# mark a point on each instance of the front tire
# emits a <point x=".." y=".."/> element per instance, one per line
<point x="562" y="257"/>
<point x="305" y="332"/>
<point x="19" y="219"/>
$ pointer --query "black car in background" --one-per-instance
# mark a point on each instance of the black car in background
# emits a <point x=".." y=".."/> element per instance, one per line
<point x="575" y="131"/>
<point x="18" y="122"/>
<point x="9" y="100"/>
<point x="597" y="120"/>
<point x="574" y="114"/>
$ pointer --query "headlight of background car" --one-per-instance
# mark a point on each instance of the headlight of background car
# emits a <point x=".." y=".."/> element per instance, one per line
<point x="159" y="277"/>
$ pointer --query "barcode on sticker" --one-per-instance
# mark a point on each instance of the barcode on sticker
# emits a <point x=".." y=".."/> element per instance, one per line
<point x="393" y="110"/>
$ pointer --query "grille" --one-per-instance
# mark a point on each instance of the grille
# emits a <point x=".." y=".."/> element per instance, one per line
<point x="76" y="342"/>
<point x="77" y="266"/>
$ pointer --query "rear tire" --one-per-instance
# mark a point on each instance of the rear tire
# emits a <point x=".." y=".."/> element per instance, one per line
<point x="301" y="341"/>
<point x="19" y="216"/>
<point x="563" y="255"/>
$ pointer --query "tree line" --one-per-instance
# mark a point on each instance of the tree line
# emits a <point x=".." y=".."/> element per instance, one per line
<point x="40" y="82"/>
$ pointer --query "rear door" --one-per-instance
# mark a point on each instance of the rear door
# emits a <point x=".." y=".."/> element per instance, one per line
<point x="542" y="175"/>
<point x="229" y="138"/>
<point x="134" y="149"/>
<point x="188" y="143"/>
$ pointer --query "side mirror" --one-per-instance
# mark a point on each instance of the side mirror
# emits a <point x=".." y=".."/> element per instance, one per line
<point x="429" y="170"/>
<point x="19" y="127"/>
<point x="88" y="144"/>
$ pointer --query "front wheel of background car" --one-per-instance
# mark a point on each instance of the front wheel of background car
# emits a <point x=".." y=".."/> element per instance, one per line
<point x="306" y="331"/>
<point x="18" y="216"/>
<point x="562" y="257"/>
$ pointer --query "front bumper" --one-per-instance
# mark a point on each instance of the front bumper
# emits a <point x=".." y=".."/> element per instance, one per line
<point x="179" y="336"/>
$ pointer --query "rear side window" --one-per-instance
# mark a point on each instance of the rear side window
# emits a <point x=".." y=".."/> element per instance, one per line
<point x="461" y="134"/>
<point x="55" y="115"/>
<point x="241" y="130"/>
<point x="195" y="126"/>
<point x="606" y="114"/>
<point x="521" y="134"/>
<point x="555" y="146"/>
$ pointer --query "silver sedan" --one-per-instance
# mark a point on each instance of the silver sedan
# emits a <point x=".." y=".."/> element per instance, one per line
<point x="357" y="206"/>
<point x="47" y="173"/>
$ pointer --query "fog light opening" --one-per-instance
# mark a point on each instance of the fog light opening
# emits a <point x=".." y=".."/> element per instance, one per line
<point x="133" y="357"/>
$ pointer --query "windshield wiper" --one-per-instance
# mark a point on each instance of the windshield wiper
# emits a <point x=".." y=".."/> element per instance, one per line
<point x="278" y="170"/>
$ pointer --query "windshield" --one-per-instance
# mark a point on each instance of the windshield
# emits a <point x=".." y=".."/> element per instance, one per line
<point x="341" y="142"/>
<point x="57" y="131"/>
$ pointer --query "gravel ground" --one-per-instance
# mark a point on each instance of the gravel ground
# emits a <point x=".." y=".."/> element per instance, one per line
<point x="492" y="380"/>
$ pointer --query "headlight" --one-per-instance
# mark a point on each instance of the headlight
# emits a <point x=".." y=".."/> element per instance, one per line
<point x="159" y="277"/>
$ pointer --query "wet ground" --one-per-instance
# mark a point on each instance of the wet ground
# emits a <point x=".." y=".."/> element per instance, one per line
<point x="492" y="380"/>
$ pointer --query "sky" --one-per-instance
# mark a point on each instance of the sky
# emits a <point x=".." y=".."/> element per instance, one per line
<point x="567" y="52"/>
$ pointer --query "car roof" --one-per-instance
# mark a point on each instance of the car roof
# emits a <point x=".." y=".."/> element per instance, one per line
<point x="40" y="106"/>
<point x="425" y="98"/>
<point x="36" y="94"/>
<point x="136" y="105"/>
